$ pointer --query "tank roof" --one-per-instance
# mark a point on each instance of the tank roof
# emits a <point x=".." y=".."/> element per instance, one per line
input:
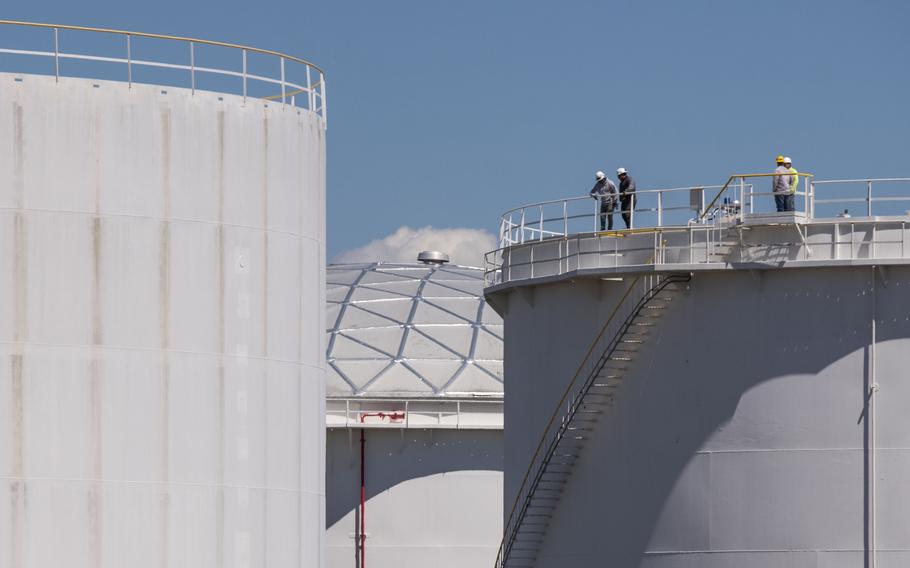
<point x="411" y="330"/>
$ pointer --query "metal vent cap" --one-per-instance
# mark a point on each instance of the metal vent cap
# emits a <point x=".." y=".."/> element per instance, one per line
<point x="432" y="257"/>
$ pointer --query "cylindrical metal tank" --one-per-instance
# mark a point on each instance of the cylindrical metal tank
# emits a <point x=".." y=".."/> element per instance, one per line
<point x="161" y="327"/>
<point x="762" y="423"/>
<point x="414" y="416"/>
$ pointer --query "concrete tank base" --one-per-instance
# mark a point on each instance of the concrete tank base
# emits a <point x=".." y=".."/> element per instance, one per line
<point x="764" y="424"/>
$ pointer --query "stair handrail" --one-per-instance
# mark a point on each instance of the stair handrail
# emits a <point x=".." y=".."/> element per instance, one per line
<point x="807" y="176"/>
<point x="504" y="547"/>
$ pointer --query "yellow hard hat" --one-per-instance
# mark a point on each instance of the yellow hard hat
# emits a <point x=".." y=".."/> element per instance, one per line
<point x="780" y="159"/>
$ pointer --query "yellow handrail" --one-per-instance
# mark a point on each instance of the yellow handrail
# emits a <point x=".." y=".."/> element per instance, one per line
<point x="744" y="176"/>
<point x="162" y="36"/>
<point x="556" y="412"/>
<point x="288" y="94"/>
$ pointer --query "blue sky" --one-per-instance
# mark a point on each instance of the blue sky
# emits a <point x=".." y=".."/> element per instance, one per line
<point x="447" y="113"/>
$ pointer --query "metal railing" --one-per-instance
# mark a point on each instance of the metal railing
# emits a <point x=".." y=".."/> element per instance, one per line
<point x="861" y="191"/>
<point x="651" y="208"/>
<point x="671" y="207"/>
<point x="683" y="206"/>
<point x="562" y="427"/>
<point x="308" y="92"/>
<point x="714" y="235"/>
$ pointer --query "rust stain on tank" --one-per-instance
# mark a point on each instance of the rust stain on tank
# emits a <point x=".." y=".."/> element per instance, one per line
<point x="265" y="236"/>
<point x="17" y="483"/>
<point x="265" y="305"/>
<point x="96" y="402"/>
<point x="164" y="338"/>
<point x="20" y="291"/>
<point x="220" y="287"/>
<point x="18" y="155"/>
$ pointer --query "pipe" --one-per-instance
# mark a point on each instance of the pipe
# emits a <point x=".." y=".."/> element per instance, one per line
<point x="363" y="536"/>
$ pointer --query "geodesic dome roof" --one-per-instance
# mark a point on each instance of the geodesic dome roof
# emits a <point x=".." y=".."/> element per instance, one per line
<point x="411" y="330"/>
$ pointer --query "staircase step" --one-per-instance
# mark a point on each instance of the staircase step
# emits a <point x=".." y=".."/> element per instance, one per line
<point x="635" y="341"/>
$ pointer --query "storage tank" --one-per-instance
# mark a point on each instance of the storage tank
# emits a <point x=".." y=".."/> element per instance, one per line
<point x="414" y="416"/>
<point x="727" y="391"/>
<point x="161" y="307"/>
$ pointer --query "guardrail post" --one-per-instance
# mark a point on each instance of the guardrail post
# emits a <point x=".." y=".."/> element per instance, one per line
<point x="283" y="90"/>
<point x="742" y="198"/>
<point x="311" y="105"/>
<point x="129" y="62"/>
<point x="811" y="190"/>
<point x="521" y="229"/>
<point x="660" y="209"/>
<point x="869" y="198"/>
<point x="56" y="55"/>
<point x="565" y="220"/>
<point x="540" y="224"/>
<point x="193" y="67"/>
<point x="324" y="106"/>
<point x="244" y="76"/>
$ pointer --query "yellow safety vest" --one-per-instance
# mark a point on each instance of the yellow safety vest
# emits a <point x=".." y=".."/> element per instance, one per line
<point x="794" y="180"/>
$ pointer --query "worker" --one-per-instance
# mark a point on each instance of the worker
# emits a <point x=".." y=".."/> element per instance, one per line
<point x="626" y="196"/>
<point x="780" y="186"/>
<point x="794" y="183"/>
<point x="605" y="190"/>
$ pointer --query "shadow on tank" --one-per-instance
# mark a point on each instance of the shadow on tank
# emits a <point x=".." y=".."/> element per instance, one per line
<point x="397" y="456"/>
<point x="747" y="368"/>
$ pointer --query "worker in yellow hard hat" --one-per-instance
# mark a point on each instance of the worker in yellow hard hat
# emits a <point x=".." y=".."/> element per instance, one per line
<point x="780" y="185"/>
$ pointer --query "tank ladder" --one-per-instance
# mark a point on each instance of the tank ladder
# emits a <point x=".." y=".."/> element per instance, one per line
<point x="581" y="407"/>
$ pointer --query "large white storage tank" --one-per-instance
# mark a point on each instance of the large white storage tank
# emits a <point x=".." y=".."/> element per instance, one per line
<point x="414" y="416"/>
<point x="731" y="392"/>
<point x="161" y="315"/>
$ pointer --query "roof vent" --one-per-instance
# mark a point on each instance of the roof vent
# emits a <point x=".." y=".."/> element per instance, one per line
<point x="432" y="257"/>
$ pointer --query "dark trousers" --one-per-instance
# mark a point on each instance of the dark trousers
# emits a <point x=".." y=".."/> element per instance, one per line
<point x="606" y="216"/>
<point x="784" y="202"/>
<point x="627" y="204"/>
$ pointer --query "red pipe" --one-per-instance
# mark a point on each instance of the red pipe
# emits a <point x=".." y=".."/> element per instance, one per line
<point x="363" y="495"/>
<point x="393" y="416"/>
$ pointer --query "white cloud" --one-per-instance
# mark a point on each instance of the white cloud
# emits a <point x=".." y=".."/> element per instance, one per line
<point x="464" y="246"/>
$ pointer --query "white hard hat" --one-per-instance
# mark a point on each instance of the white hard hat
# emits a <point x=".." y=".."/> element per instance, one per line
<point x="600" y="175"/>
<point x="620" y="171"/>
<point x="787" y="160"/>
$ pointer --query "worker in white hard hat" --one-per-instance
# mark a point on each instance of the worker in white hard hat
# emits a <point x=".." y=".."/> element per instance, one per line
<point x="780" y="185"/>
<point x="626" y="196"/>
<point x="605" y="191"/>
<point x="794" y="183"/>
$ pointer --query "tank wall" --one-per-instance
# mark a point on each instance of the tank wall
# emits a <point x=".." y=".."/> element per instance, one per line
<point x="434" y="497"/>
<point x="161" y="328"/>
<point x="739" y="437"/>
